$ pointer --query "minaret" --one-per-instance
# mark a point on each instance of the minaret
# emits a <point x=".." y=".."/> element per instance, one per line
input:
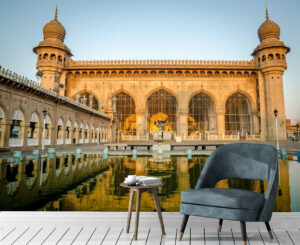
<point x="53" y="54"/>
<point x="270" y="57"/>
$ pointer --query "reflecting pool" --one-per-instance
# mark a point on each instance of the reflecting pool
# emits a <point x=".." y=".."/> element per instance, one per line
<point x="88" y="182"/>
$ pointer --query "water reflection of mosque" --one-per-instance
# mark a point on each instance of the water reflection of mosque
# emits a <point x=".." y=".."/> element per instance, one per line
<point x="182" y="173"/>
<point x="28" y="184"/>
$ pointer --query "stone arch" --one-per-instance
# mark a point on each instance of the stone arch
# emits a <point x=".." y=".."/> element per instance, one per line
<point x="60" y="122"/>
<point x="249" y="97"/>
<point x="53" y="57"/>
<point x="278" y="57"/>
<point x="88" y="92"/>
<point x="4" y="110"/>
<point x="18" y="114"/>
<point x="238" y="115"/>
<point x="59" y="59"/>
<point x="202" y="115"/>
<point x="126" y="112"/>
<point x="34" y="117"/>
<point x="45" y="56"/>
<point x="126" y="92"/>
<point x="2" y="114"/>
<point x="270" y="57"/>
<point x="157" y="89"/>
<point x="162" y="105"/>
<point x="202" y="91"/>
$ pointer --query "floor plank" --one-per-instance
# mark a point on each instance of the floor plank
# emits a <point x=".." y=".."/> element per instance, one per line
<point x="13" y="237"/>
<point x="85" y="235"/>
<point x="98" y="236"/>
<point x="197" y="236"/>
<point x="155" y="236"/>
<point x="29" y="235"/>
<point x="42" y="235"/>
<point x="212" y="236"/>
<point x="113" y="236"/>
<point x="225" y="236"/>
<point x="266" y="238"/>
<point x="171" y="236"/>
<point x="6" y="231"/>
<point x="71" y="235"/>
<point x="282" y="237"/>
<point x="294" y="235"/>
<point x="55" y="236"/>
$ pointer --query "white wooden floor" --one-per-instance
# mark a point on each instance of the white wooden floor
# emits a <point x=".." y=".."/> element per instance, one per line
<point x="109" y="228"/>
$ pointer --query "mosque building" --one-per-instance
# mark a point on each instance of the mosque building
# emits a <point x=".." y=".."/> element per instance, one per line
<point x="198" y="99"/>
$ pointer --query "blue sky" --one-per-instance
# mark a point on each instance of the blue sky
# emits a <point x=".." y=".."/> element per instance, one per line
<point x="151" y="29"/>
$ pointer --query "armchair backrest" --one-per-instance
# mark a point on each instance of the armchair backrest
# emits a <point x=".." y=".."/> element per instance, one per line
<point x="244" y="161"/>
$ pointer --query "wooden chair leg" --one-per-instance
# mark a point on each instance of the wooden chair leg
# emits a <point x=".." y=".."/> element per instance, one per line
<point x="183" y="225"/>
<point x="220" y="225"/>
<point x="244" y="233"/>
<point x="269" y="230"/>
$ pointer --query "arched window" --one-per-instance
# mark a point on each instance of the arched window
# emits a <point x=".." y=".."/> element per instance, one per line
<point x="53" y="57"/>
<point x="270" y="57"/>
<point x="202" y="114"/>
<point x="126" y="113"/>
<point x="33" y="130"/>
<point x="45" y="56"/>
<point x="238" y="115"/>
<point x="162" y="105"/>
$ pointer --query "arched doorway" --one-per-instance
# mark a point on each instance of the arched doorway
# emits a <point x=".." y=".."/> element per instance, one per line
<point x="238" y="115"/>
<point x="16" y="137"/>
<point x="202" y="116"/>
<point x="126" y="114"/>
<point x="162" y="105"/>
<point x="33" y="130"/>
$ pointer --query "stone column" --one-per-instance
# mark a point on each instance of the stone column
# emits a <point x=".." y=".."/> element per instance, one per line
<point x="24" y="132"/>
<point x="52" y="134"/>
<point x="140" y="122"/>
<point x="77" y="135"/>
<point x="221" y="123"/>
<point x="40" y="133"/>
<point x="84" y="100"/>
<point x="91" y="101"/>
<point x="255" y="123"/>
<point x="183" y="122"/>
<point x="5" y="132"/>
<point x="77" y="98"/>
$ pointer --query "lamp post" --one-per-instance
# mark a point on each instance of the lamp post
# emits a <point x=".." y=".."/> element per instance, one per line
<point x="44" y="125"/>
<point x="276" y="125"/>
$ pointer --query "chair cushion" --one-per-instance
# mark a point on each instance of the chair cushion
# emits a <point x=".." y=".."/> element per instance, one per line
<point x="226" y="198"/>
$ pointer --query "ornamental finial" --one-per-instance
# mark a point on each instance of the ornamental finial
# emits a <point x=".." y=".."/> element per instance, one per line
<point x="55" y="16"/>
<point x="267" y="13"/>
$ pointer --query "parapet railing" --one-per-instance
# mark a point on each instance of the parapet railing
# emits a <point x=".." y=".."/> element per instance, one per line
<point x="162" y="62"/>
<point x="21" y="80"/>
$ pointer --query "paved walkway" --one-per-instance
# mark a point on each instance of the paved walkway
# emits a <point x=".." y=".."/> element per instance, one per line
<point x="288" y="145"/>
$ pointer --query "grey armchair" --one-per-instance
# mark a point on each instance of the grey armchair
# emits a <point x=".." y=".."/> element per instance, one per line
<point x="242" y="161"/>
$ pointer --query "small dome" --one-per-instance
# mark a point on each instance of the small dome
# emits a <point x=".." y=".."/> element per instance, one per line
<point x="268" y="29"/>
<point x="54" y="29"/>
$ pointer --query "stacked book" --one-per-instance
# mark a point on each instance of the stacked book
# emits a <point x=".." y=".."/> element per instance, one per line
<point x="148" y="180"/>
<point x="145" y="180"/>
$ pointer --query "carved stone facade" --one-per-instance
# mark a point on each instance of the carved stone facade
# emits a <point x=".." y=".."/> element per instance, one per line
<point x="22" y="107"/>
<point x="199" y="99"/>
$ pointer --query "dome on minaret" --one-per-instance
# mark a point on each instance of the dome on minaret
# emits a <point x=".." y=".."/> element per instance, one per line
<point x="54" y="29"/>
<point x="268" y="29"/>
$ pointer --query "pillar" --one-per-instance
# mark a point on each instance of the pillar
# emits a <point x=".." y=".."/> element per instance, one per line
<point x="140" y="122"/>
<point x="24" y="132"/>
<point x="221" y="123"/>
<point x="5" y="123"/>
<point x="183" y="122"/>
